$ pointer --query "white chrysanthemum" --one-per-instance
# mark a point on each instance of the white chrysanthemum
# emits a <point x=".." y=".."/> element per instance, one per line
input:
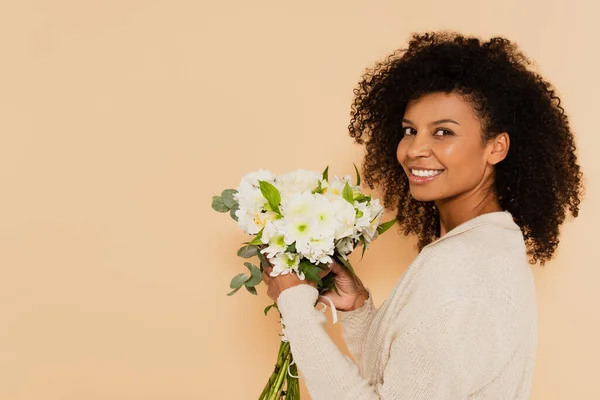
<point x="376" y="209"/>
<point x="252" y="214"/>
<point x="295" y="182"/>
<point x="363" y="216"/>
<point x="344" y="216"/>
<point x="285" y="263"/>
<point x="324" y="212"/>
<point x="345" y="246"/>
<point x="317" y="250"/>
<point x="335" y="186"/>
<point x="273" y="236"/>
<point x="249" y="181"/>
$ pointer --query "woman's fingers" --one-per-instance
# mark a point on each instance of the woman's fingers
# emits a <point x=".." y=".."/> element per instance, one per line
<point x="267" y="273"/>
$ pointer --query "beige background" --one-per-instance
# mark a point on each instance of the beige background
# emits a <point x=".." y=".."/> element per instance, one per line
<point x="119" y="119"/>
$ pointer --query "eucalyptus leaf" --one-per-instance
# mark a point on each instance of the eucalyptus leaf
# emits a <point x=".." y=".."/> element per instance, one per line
<point x="385" y="226"/>
<point x="228" y="199"/>
<point x="272" y="195"/>
<point x="357" y="175"/>
<point x="248" y="251"/>
<point x="233" y="210"/>
<point x="348" y="194"/>
<point x="251" y="289"/>
<point x="218" y="205"/>
<point x="233" y="291"/>
<point x="238" y="281"/>
<point x="255" y="275"/>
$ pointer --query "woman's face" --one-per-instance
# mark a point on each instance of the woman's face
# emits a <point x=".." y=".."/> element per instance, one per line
<point x="442" y="152"/>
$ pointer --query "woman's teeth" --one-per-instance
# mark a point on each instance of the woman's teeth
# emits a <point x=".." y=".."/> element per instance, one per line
<point x="426" y="172"/>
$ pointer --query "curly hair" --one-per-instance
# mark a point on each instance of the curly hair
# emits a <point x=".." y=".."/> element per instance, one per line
<point x="537" y="182"/>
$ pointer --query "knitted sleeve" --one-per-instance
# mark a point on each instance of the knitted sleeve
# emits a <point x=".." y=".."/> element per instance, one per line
<point x="355" y="324"/>
<point x="444" y="354"/>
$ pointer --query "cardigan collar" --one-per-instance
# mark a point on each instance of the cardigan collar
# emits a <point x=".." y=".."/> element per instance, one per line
<point x="502" y="219"/>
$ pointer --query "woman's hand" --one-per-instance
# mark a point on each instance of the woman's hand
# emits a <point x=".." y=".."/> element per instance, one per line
<point x="352" y="293"/>
<point x="277" y="284"/>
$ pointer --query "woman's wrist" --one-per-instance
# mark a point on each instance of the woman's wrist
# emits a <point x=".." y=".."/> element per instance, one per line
<point x="359" y="302"/>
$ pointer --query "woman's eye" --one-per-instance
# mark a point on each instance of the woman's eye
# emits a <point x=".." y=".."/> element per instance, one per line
<point x="443" y="132"/>
<point x="407" y="131"/>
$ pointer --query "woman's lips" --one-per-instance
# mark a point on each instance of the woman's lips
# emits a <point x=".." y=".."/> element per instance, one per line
<point x="422" y="179"/>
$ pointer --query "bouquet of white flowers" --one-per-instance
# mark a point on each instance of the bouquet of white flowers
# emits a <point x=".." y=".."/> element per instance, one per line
<point x="301" y="221"/>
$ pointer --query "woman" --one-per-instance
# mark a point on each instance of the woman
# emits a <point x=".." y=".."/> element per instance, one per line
<point x="475" y="153"/>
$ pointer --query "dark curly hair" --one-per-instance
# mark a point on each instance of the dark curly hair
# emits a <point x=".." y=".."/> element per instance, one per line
<point x="537" y="181"/>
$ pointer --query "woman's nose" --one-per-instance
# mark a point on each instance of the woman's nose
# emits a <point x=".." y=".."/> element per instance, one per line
<point x="419" y="147"/>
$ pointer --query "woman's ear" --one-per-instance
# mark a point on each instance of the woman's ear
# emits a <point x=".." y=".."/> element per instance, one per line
<point x="498" y="148"/>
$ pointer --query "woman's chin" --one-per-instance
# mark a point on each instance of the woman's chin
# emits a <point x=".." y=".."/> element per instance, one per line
<point x="423" y="196"/>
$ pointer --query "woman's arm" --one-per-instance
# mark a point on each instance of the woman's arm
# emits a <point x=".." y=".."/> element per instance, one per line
<point x="445" y="354"/>
<point x="355" y="324"/>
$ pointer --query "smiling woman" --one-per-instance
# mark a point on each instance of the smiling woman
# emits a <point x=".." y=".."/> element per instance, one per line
<point x="476" y="155"/>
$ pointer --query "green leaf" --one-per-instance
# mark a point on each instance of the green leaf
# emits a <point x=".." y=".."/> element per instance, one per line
<point x="238" y="281"/>
<point x="272" y="195"/>
<point x="251" y="289"/>
<point x="233" y="291"/>
<point x="263" y="260"/>
<point x="329" y="284"/>
<point x="218" y="205"/>
<point x="228" y="199"/>
<point x="364" y="243"/>
<point x="346" y="264"/>
<point x="385" y="226"/>
<point x="257" y="239"/>
<point x="348" y="194"/>
<point x="268" y="308"/>
<point x="357" y="175"/>
<point x="319" y="189"/>
<point x="361" y="198"/>
<point x="233" y="210"/>
<point x="326" y="174"/>
<point x="255" y="275"/>
<point x="311" y="271"/>
<point x="291" y="248"/>
<point x="248" y="251"/>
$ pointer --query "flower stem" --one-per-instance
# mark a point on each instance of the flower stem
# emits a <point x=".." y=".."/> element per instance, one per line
<point x="284" y="353"/>
<point x="275" y="392"/>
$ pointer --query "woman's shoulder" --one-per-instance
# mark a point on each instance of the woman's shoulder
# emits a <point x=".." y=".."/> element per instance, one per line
<point x="487" y="261"/>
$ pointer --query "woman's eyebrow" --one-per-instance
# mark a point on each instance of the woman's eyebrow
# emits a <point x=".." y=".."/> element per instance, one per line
<point x="439" y="121"/>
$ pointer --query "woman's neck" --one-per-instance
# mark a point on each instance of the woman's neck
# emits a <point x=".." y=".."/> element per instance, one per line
<point x="454" y="212"/>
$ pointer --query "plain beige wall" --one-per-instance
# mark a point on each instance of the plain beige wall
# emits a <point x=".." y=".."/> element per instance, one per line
<point x="120" y="119"/>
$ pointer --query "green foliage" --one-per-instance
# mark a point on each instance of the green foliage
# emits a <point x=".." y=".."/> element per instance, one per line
<point x="326" y="174"/>
<point x="311" y="271"/>
<point x="357" y="175"/>
<point x="348" y="194"/>
<point x="248" y="251"/>
<point x="385" y="226"/>
<point x="272" y="195"/>
<point x="219" y="205"/>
